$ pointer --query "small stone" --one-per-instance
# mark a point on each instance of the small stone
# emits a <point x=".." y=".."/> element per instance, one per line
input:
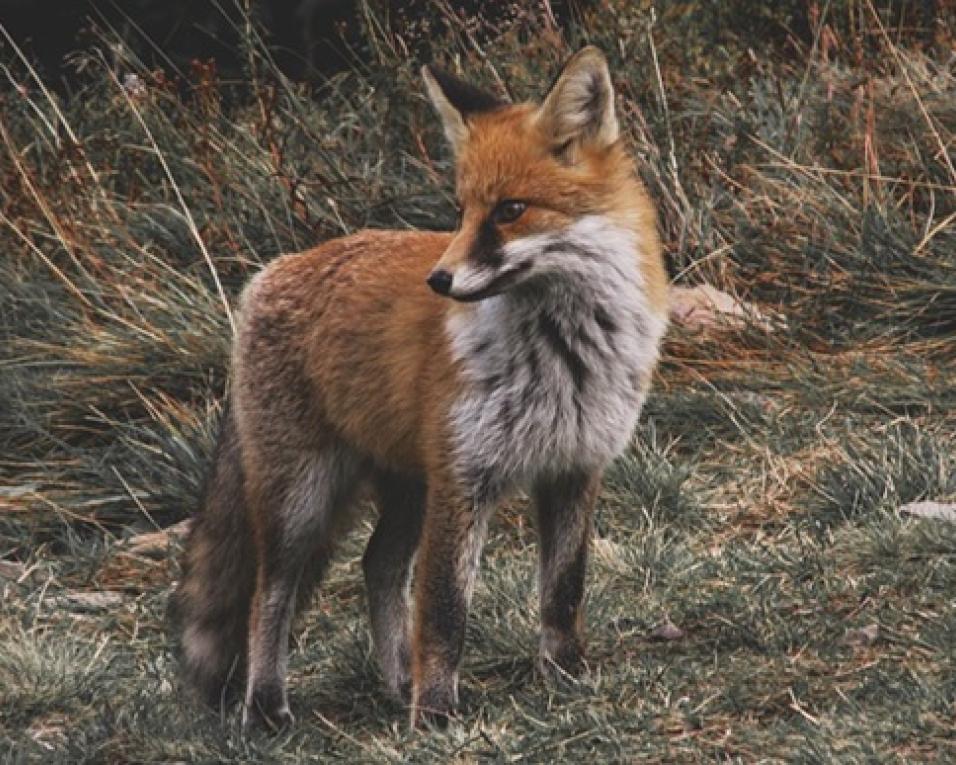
<point x="156" y="543"/>
<point x="706" y="307"/>
<point x="942" y="511"/>
<point x="667" y="630"/>
<point x="11" y="570"/>
<point x="94" y="600"/>
<point x="863" y="636"/>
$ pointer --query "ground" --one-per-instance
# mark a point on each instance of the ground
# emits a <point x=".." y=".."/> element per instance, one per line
<point x="755" y="593"/>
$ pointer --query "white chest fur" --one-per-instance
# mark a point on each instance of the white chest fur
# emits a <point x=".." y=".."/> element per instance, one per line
<point x="555" y="370"/>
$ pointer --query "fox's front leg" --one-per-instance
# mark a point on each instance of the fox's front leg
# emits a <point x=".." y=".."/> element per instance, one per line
<point x="564" y="507"/>
<point x="445" y="574"/>
<point x="387" y="564"/>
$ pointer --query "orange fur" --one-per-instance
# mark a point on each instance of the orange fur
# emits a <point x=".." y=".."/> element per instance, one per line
<point x="344" y="371"/>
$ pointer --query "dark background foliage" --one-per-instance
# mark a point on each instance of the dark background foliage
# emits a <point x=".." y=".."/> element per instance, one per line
<point x="755" y="592"/>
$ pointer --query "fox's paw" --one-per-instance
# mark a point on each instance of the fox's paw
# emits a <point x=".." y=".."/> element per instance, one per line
<point x="433" y="707"/>
<point x="404" y="691"/>
<point x="561" y="655"/>
<point x="398" y="676"/>
<point x="267" y="708"/>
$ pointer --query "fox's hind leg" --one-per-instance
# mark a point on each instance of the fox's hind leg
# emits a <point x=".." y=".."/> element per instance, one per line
<point x="298" y="508"/>
<point x="564" y="508"/>
<point x="387" y="565"/>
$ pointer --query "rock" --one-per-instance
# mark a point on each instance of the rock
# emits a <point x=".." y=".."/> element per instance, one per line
<point x="11" y="570"/>
<point x="156" y="543"/>
<point x="943" y="511"/>
<point x="94" y="600"/>
<point x="863" y="636"/>
<point x="18" y="492"/>
<point x="667" y="630"/>
<point x="706" y="307"/>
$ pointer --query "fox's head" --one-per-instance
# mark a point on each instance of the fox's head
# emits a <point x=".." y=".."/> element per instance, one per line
<point x="529" y="171"/>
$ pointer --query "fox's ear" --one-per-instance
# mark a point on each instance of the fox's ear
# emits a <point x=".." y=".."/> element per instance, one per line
<point x="579" y="108"/>
<point x="455" y="100"/>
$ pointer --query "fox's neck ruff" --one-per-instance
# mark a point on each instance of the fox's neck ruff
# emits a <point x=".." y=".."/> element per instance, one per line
<point x="555" y="369"/>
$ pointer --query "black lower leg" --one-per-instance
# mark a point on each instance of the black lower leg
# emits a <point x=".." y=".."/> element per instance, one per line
<point x="564" y="508"/>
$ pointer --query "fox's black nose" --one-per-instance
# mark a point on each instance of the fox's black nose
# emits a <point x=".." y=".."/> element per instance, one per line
<point x="440" y="281"/>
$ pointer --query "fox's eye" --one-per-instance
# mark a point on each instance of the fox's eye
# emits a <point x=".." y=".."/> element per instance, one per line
<point x="508" y="211"/>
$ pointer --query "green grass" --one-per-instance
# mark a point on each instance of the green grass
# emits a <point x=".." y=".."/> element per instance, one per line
<point x="757" y="509"/>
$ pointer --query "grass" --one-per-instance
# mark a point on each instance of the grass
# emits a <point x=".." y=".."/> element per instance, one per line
<point x="756" y="512"/>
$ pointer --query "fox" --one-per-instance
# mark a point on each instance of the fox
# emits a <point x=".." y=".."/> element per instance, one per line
<point x="438" y="373"/>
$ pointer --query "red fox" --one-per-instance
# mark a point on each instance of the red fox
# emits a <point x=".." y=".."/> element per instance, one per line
<point x="445" y="371"/>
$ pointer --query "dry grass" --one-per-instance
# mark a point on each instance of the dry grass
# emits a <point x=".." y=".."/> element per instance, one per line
<point x="756" y="511"/>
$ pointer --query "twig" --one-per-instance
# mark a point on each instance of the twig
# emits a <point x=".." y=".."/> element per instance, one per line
<point x="135" y="499"/>
<point x="934" y="231"/>
<point x="817" y="169"/>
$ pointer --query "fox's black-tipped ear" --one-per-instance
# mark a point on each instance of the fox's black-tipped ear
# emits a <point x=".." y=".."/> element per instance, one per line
<point x="579" y="107"/>
<point x="455" y="100"/>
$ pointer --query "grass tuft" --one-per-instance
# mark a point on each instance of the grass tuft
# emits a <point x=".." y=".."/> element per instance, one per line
<point x="754" y="593"/>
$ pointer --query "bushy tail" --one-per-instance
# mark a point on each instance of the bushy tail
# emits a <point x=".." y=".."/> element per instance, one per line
<point x="210" y="608"/>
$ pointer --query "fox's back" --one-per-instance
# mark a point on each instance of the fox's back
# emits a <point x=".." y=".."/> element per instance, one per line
<point x="351" y="328"/>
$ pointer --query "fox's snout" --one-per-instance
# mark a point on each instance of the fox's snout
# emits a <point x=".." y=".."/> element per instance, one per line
<point x="440" y="281"/>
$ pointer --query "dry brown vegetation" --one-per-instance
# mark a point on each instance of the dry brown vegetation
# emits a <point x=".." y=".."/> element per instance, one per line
<point x="755" y="593"/>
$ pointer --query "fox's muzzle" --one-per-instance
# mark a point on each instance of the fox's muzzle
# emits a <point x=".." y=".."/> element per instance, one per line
<point x="475" y="266"/>
<point x="441" y="281"/>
